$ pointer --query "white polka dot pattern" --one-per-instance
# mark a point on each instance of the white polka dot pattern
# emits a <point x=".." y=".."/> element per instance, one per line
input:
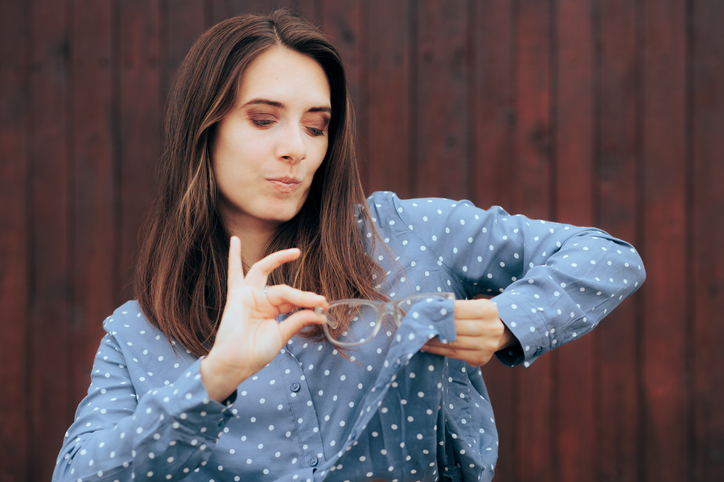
<point x="385" y="410"/>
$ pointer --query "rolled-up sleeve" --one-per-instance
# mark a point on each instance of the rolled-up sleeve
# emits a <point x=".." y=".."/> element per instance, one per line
<point x="551" y="282"/>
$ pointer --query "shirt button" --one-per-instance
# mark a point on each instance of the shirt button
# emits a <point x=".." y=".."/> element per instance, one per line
<point x="295" y="387"/>
<point x="313" y="462"/>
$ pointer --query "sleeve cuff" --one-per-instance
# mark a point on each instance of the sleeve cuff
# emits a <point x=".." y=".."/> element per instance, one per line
<point x="191" y="406"/>
<point x="528" y="327"/>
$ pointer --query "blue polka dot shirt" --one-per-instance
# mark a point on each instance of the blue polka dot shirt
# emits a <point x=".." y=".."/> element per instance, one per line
<point x="384" y="410"/>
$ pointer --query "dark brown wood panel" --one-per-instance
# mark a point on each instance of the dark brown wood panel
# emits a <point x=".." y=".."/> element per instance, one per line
<point x="705" y="235"/>
<point x="574" y="104"/>
<point x="139" y="106"/>
<point x="184" y="22"/>
<point x="310" y="9"/>
<point x="50" y="313"/>
<point x="663" y="141"/>
<point x="605" y="113"/>
<point x="15" y="450"/>
<point x="534" y="429"/>
<point x="343" y="21"/>
<point x="492" y="128"/>
<point x="441" y="99"/>
<point x="531" y="161"/>
<point x="387" y="91"/>
<point x="93" y="207"/>
<point x="619" y="419"/>
<point x="492" y="97"/>
<point x="223" y="9"/>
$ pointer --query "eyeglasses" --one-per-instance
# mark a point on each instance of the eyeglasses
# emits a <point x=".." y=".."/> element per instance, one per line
<point x="365" y="317"/>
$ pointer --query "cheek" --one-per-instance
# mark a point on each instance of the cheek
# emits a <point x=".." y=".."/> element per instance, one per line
<point x="238" y="154"/>
<point x="319" y="153"/>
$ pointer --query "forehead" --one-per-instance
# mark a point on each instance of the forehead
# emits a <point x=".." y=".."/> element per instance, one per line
<point x="285" y="76"/>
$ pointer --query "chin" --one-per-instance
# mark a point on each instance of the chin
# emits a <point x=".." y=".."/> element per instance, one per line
<point x="283" y="212"/>
<point x="281" y="215"/>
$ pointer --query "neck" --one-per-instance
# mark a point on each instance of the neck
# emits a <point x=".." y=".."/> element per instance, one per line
<point x="254" y="239"/>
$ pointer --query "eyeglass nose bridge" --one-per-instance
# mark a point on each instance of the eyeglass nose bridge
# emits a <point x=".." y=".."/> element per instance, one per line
<point x="380" y="312"/>
<point x="393" y="310"/>
<point x="330" y="321"/>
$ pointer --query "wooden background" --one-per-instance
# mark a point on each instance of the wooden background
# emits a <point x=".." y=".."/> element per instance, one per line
<point x="606" y="113"/>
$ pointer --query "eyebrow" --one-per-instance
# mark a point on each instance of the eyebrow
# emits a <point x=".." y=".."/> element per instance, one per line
<point x="274" y="103"/>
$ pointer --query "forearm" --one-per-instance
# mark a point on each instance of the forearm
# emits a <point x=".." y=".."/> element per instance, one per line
<point x="566" y="295"/>
<point x="171" y="431"/>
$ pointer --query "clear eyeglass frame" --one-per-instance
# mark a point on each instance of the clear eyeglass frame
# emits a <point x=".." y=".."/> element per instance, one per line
<point x="394" y="309"/>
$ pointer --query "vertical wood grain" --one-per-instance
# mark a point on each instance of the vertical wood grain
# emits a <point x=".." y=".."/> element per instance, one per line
<point x="492" y="100"/>
<point x="223" y="9"/>
<point x="532" y="159"/>
<point x="535" y="436"/>
<point x="15" y="38"/>
<point x="343" y="22"/>
<point x="664" y="188"/>
<point x="706" y="235"/>
<point x="575" y="362"/>
<point x="93" y="207"/>
<point x="552" y="108"/>
<point x="309" y="9"/>
<point x="139" y="110"/>
<point x="387" y="91"/>
<point x="442" y="109"/>
<point x="184" y="22"/>
<point x="492" y="128"/>
<point x="49" y="194"/>
<point x="619" y="425"/>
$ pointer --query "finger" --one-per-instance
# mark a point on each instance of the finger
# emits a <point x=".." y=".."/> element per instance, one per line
<point x="486" y="328"/>
<point x="438" y="350"/>
<point x="475" y="309"/>
<point x="296" y="322"/>
<point x="474" y="358"/>
<point x="236" y="273"/>
<point x="471" y="343"/>
<point x="285" y="298"/>
<point x="260" y="271"/>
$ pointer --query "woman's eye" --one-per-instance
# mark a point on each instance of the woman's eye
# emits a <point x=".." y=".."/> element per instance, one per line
<point x="262" y="122"/>
<point x="315" y="132"/>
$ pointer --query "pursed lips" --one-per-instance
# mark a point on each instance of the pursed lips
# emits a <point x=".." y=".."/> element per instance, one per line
<point x="285" y="184"/>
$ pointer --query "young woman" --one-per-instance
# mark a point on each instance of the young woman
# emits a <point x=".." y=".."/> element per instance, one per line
<point x="286" y="328"/>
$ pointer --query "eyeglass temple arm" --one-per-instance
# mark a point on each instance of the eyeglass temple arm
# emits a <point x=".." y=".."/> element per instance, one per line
<point x="331" y="322"/>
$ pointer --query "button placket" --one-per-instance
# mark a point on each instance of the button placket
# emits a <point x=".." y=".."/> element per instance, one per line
<point x="299" y="399"/>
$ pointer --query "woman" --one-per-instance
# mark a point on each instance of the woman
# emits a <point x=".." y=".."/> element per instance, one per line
<point x="237" y="361"/>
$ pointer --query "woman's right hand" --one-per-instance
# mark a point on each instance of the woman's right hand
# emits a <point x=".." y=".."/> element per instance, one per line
<point x="249" y="336"/>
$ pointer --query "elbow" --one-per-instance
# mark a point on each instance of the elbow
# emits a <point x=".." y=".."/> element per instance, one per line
<point x="639" y="271"/>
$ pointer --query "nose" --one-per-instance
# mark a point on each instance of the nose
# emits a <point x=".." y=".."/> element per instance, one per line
<point x="291" y="146"/>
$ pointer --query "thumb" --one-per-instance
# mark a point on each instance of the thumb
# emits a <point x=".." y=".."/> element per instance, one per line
<point x="298" y="321"/>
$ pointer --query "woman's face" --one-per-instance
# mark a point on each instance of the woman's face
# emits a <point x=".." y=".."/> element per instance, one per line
<point x="267" y="149"/>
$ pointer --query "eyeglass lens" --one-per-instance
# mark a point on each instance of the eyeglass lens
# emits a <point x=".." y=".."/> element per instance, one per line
<point x="364" y="317"/>
<point x="362" y="321"/>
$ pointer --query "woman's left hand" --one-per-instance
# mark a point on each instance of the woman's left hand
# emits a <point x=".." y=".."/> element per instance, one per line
<point x="480" y="333"/>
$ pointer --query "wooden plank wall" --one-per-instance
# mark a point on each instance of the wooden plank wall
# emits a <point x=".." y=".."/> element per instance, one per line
<point x="596" y="113"/>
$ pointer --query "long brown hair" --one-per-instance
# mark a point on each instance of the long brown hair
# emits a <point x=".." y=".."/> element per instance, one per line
<point x="181" y="277"/>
